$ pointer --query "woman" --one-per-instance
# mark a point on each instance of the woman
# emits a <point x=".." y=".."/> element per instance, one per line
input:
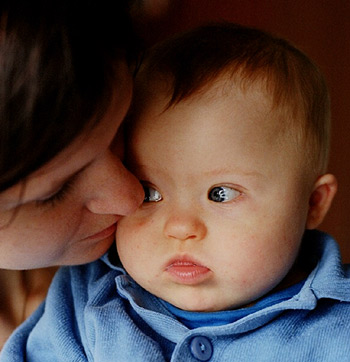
<point x="65" y="87"/>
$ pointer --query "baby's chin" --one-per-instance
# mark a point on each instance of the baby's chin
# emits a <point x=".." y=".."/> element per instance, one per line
<point x="200" y="306"/>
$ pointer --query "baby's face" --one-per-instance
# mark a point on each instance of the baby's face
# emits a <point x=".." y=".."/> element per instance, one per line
<point x="225" y="206"/>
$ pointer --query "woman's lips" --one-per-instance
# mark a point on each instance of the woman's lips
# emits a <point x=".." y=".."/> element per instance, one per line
<point x="104" y="233"/>
<point x="187" y="271"/>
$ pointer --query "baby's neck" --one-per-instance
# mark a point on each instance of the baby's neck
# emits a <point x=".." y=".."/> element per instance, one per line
<point x="296" y="274"/>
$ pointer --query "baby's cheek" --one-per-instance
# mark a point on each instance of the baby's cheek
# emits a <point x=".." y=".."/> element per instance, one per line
<point x="132" y="231"/>
<point x="127" y="225"/>
<point x="140" y="224"/>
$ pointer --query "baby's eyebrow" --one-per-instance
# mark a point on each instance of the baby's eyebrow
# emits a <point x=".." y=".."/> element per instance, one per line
<point x="141" y="167"/>
<point x="233" y="171"/>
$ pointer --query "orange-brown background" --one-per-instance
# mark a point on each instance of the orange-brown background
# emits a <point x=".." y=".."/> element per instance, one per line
<point x="321" y="28"/>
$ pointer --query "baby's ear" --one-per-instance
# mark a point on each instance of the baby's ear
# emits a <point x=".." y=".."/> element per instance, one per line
<point x="321" y="199"/>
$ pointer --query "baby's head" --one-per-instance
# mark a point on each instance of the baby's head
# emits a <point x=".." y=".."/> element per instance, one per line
<point x="229" y="135"/>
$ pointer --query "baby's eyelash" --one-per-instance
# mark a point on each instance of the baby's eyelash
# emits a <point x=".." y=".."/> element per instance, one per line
<point x="59" y="195"/>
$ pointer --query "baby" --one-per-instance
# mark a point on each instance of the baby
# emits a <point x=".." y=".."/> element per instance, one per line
<point x="229" y="138"/>
<point x="228" y="133"/>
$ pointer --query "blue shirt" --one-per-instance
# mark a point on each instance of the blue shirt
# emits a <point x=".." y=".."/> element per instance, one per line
<point x="96" y="312"/>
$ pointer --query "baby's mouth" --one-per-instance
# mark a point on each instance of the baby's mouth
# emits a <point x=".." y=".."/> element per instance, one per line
<point x="187" y="271"/>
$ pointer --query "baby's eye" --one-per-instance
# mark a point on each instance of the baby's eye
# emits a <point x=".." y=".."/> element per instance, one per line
<point x="222" y="194"/>
<point x="151" y="194"/>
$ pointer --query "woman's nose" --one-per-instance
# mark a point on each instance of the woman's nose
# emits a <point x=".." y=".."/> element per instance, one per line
<point x="113" y="189"/>
<point x="185" y="227"/>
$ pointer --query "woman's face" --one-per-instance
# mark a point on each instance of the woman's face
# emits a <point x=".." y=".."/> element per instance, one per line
<point x="66" y="212"/>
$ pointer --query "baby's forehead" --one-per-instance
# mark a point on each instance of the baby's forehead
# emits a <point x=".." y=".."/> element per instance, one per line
<point x="157" y="93"/>
<point x="229" y="80"/>
<point x="225" y="90"/>
<point x="266" y="120"/>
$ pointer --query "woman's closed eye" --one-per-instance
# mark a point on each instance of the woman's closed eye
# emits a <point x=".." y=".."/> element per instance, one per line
<point x="222" y="194"/>
<point x="151" y="194"/>
<point x="59" y="195"/>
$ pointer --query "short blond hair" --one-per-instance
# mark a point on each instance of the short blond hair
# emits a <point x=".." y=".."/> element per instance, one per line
<point x="196" y="58"/>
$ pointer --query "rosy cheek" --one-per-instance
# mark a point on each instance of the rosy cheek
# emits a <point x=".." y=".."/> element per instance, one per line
<point x="142" y="222"/>
<point x="132" y="229"/>
<point x="148" y="223"/>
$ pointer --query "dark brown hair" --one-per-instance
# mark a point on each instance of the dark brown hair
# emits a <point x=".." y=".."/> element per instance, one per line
<point x="57" y="74"/>
<point x="191" y="61"/>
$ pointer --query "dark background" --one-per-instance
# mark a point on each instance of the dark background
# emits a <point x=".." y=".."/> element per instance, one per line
<point x="321" y="28"/>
